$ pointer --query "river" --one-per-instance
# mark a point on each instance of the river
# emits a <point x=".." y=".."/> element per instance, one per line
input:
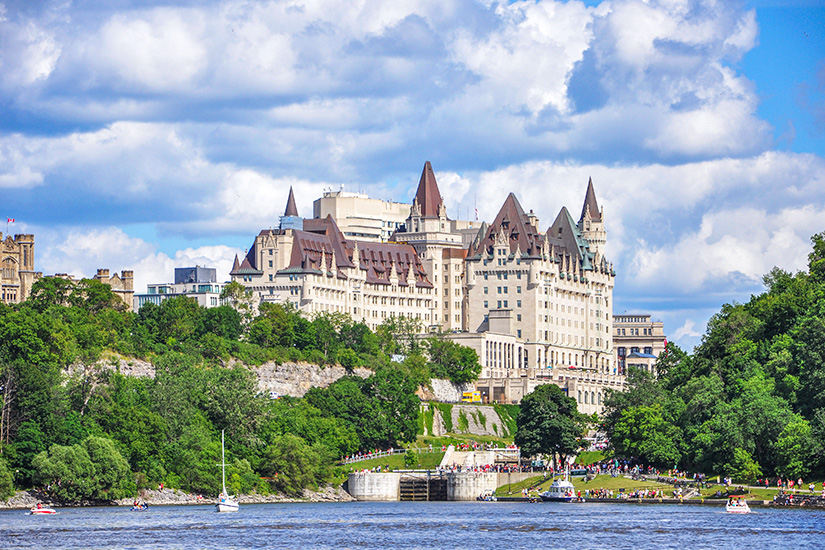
<point x="399" y="525"/>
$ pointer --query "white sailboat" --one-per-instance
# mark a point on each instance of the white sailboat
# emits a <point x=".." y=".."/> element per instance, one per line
<point x="225" y="502"/>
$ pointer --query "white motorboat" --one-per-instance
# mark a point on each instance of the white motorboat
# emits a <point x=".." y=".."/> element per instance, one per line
<point x="736" y="506"/>
<point x="40" y="510"/>
<point x="226" y="503"/>
<point x="561" y="490"/>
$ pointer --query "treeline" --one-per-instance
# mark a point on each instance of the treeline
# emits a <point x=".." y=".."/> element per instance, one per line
<point x="750" y="401"/>
<point x="61" y="432"/>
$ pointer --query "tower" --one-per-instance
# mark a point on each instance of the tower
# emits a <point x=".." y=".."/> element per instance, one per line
<point x="591" y="222"/>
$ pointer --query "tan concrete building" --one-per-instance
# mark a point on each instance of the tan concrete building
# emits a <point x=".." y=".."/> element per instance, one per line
<point x="638" y="341"/>
<point x="17" y="274"/>
<point x="360" y="217"/>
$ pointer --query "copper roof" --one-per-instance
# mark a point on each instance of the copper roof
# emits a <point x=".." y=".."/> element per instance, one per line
<point x="427" y="195"/>
<point x="590" y="203"/>
<point x="291" y="208"/>
<point x="520" y="233"/>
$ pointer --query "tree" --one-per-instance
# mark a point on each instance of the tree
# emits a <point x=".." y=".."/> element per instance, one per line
<point x="111" y="477"/>
<point x="743" y="467"/>
<point x="50" y="291"/>
<point x="241" y="300"/>
<point x="293" y="464"/>
<point x="643" y="432"/>
<point x="548" y="422"/>
<point x="92" y="470"/>
<point x="452" y="361"/>
<point x="6" y="481"/>
<point x="94" y="296"/>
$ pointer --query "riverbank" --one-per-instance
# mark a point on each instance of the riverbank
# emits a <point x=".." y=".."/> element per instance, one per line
<point x="24" y="500"/>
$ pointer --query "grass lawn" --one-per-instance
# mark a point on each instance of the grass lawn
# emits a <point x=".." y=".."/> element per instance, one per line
<point x="427" y="461"/>
<point x="457" y="439"/>
<point x="600" y="482"/>
<point x="589" y="457"/>
<point x="752" y="494"/>
<point x="514" y="489"/>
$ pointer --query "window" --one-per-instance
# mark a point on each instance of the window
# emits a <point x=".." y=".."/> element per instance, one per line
<point x="485" y="288"/>
<point x="519" y="333"/>
<point x="505" y="303"/>
<point x="518" y="317"/>
<point x="485" y="275"/>
<point x="518" y="303"/>
<point x="499" y="304"/>
<point x="485" y="304"/>
<point x="270" y="263"/>
<point x="518" y="290"/>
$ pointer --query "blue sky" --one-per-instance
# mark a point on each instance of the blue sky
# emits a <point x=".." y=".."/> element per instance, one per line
<point x="149" y="135"/>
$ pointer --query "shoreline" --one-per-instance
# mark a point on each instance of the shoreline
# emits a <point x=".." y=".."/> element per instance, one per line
<point x="24" y="500"/>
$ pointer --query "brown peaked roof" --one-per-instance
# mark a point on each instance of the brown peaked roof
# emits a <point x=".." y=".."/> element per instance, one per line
<point x="314" y="247"/>
<point x="521" y="234"/>
<point x="291" y="208"/>
<point x="428" y="196"/>
<point x="590" y="202"/>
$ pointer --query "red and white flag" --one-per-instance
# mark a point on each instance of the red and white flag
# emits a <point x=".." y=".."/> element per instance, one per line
<point x="9" y="220"/>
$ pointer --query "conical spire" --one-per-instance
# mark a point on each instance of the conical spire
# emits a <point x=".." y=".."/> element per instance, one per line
<point x="591" y="204"/>
<point x="428" y="197"/>
<point x="291" y="208"/>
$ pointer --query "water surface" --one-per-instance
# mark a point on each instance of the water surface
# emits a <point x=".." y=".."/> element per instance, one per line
<point x="400" y="525"/>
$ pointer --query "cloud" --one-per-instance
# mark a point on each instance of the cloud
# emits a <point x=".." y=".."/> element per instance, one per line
<point x="81" y="251"/>
<point x="510" y="81"/>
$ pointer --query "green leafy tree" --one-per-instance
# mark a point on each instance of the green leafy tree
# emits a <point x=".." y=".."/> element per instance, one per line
<point x="645" y="433"/>
<point x="292" y="464"/>
<point x="111" y="476"/>
<point x="241" y="300"/>
<point x="548" y="423"/>
<point x="743" y="468"/>
<point x="794" y="449"/>
<point x="452" y="361"/>
<point x="65" y="471"/>
<point x="6" y="481"/>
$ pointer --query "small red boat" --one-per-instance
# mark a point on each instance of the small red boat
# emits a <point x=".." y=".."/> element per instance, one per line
<point x="41" y="510"/>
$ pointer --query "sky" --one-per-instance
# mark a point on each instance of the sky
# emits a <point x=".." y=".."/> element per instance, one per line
<point x="151" y="134"/>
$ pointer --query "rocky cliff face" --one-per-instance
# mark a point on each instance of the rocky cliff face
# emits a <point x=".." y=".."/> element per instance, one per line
<point x="295" y="379"/>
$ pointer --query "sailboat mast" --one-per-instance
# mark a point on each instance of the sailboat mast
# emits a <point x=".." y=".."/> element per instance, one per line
<point x="223" y="464"/>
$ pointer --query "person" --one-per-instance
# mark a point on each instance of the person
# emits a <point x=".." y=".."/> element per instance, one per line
<point x="39" y="506"/>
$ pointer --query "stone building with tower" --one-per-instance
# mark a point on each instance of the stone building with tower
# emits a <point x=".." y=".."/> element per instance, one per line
<point x="17" y="274"/>
<point x="310" y="264"/>
<point x="536" y="304"/>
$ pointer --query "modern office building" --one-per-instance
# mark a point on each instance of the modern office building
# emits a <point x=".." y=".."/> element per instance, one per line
<point x="199" y="283"/>
<point x="360" y="217"/>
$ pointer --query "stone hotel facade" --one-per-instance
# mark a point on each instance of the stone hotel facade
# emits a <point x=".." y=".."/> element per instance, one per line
<point x="536" y="304"/>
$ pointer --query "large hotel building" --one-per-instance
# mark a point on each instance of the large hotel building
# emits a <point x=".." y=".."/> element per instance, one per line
<point x="535" y="304"/>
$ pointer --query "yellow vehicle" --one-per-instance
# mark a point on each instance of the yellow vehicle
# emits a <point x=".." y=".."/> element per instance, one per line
<point x="471" y="397"/>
